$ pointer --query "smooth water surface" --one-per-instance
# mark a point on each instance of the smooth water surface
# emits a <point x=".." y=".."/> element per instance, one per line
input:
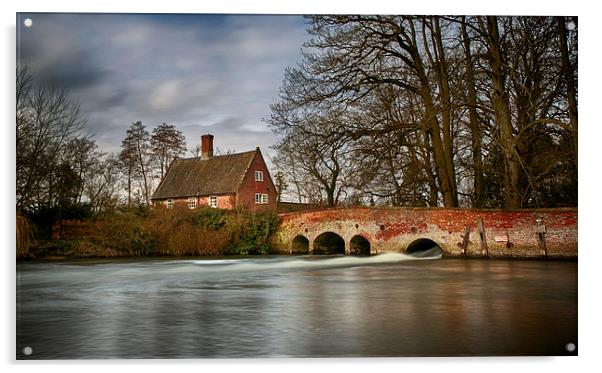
<point x="385" y="305"/>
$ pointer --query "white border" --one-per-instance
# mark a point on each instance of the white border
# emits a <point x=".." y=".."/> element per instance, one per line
<point x="590" y="311"/>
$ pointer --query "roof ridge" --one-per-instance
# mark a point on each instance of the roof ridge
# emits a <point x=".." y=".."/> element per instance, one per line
<point x="217" y="156"/>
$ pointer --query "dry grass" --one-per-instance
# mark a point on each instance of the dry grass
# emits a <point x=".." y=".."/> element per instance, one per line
<point x="25" y="236"/>
<point x="158" y="232"/>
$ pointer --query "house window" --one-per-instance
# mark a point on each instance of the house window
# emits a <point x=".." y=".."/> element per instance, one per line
<point x="213" y="201"/>
<point x="261" y="198"/>
<point x="258" y="175"/>
<point x="191" y="202"/>
<point x="169" y="203"/>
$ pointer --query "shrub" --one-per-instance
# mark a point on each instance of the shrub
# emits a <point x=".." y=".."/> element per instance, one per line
<point x="256" y="230"/>
<point x="210" y="218"/>
<point x="127" y="234"/>
<point x="174" y="232"/>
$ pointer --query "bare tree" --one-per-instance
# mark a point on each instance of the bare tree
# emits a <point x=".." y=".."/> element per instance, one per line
<point x="167" y="144"/>
<point x="47" y="119"/>
<point x="136" y="156"/>
<point x="101" y="186"/>
<point x="448" y="110"/>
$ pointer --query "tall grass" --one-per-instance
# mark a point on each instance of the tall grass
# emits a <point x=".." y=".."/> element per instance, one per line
<point x="25" y="236"/>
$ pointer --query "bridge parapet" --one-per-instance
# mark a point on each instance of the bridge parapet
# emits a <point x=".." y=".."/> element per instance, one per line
<point x="520" y="233"/>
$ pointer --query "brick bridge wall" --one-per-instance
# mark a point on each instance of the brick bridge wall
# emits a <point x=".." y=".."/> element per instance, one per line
<point x="394" y="229"/>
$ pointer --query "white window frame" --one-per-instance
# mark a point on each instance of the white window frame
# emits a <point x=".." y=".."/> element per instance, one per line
<point x="258" y="175"/>
<point x="191" y="203"/>
<point x="261" y="198"/>
<point x="169" y="203"/>
<point x="213" y="201"/>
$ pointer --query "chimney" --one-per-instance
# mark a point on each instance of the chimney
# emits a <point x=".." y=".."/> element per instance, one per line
<point x="206" y="146"/>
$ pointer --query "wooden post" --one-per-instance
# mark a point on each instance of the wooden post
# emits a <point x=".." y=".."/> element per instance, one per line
<point x="540" y="230"/>
<point x="483" y="239"/>
<point x="465" y="240"/>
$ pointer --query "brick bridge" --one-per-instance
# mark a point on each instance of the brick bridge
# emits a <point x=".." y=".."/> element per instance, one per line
<point x="457" y="232"/>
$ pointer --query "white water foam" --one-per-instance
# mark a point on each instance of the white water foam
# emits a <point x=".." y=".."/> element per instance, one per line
<point x="313" y="262"/>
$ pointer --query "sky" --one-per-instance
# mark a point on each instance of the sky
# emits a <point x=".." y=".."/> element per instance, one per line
<point x="213" y="74"/>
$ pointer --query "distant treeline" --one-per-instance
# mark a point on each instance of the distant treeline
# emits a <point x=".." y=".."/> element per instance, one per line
<point x="431" y="111"/>
<point x="60" y="172"/>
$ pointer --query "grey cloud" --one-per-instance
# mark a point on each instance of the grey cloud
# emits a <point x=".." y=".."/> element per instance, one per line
<point x="62" y="72"/>
<point x="202" y="73"/>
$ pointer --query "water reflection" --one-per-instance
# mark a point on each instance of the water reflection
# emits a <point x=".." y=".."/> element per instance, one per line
<point x="296" y="306"/>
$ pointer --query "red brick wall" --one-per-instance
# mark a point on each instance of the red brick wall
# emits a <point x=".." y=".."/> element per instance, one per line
<point x="248" y="187"/>
<point x="224" y="201"/>
<point x="393" y="229"/>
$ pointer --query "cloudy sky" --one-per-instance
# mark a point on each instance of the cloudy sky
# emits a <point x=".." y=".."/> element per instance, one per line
<point x="203" y="73"/>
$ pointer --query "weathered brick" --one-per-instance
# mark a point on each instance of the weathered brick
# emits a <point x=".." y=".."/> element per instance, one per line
<point x="393" y="229"/>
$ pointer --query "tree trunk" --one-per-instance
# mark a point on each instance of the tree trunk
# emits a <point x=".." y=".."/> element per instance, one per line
<point x="567" y="72"/>
<point x="141" y="159"/>
<point x="432" y="179"/>
<point x="501" y="108"/>
<point x="443" y="82"/>
<point x="430" y="117"/>
<point x="129" y="186"/>
<point x="475" y="128"/>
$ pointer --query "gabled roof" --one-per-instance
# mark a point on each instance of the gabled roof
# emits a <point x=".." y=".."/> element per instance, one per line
<point x="199" y="177"/>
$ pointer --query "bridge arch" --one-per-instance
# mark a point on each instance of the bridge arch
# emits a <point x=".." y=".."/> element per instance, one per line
<point x="424" y="247"/>
<point x="329" y="243"/>
<point x="300" y="245"/>
<point x="359" y="245"/>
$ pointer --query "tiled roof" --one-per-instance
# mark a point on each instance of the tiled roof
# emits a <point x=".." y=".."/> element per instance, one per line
<point x="199" y="177"/>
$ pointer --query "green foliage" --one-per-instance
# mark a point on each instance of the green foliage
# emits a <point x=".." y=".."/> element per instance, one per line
<point x="128" y="233"/>
<point x="210" y="218"/>
<point x="255" y="232"/>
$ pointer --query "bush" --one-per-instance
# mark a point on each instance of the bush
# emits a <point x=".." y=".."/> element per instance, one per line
<point x="210" y="218"/>
<point x="126" y="234"/>
<point x="174" y="232"/>
<point x="256" y="230"/>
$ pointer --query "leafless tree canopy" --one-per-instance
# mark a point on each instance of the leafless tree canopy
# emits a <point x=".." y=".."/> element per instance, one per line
<point x="431" y="110"/>
<point x="62" y="173"/>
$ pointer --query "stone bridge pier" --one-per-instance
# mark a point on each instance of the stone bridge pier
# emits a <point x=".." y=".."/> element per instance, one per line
<point x="457" y="232"/>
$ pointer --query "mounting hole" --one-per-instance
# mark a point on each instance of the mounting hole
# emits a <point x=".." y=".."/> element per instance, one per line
<point x="28" y="22"/>
<point x="357" y="226"/>
<point x="27" y="350"/>
<point x="570" y="347"/>
<point x="382" y="227"/>
<point x="571" y="26"/>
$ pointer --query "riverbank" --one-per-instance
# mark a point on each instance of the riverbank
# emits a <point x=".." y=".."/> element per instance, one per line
<point x="206" y="232"/>
<point x="134" y="233"/>
<point x="56" y="257"/>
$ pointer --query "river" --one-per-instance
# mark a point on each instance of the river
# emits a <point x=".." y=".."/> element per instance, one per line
<point x="384" y="305"/>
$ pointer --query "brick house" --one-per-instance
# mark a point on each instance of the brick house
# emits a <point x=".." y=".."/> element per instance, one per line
<point x="224" y="181"/>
